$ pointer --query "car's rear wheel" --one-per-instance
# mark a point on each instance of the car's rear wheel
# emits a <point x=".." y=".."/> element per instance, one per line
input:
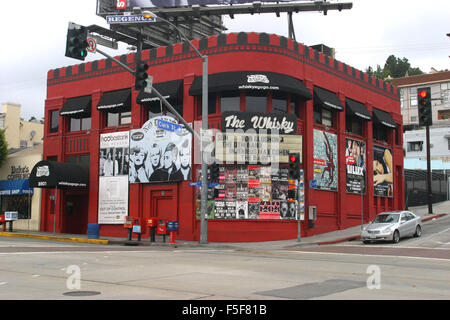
<point x="396" y="237"/>
<point x="418" y="232"/>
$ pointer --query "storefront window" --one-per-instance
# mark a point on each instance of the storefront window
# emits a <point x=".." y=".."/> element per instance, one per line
<point x="54" y="121"/>
<point x="19" y="203"/>
<point x="255" y="103"/>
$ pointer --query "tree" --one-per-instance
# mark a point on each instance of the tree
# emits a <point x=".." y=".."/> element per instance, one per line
<point x="3" y="148"/>
<point x="394" y="68"/>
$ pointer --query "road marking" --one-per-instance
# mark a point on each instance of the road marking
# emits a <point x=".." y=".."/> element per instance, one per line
<point x="365" y="255"/>
<point x="3" y="283"/>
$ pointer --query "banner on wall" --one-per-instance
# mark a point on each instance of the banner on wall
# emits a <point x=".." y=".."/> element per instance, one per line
<point x="160" y="151"/>
<point x="355" y="161"/>
<point x="113" y="178"/>
<point x="325" y="160"/>
<point x="382" y="172"/>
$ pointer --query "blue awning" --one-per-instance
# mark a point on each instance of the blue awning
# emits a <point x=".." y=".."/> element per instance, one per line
<point x="14" y="187"/>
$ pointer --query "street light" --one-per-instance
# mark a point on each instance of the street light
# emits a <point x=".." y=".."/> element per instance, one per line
<point x="204" y="195"/>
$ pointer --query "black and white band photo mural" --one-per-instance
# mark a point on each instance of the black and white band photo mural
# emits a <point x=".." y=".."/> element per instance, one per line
<point x="159" y="155"/>
<point x="113" y="178"/>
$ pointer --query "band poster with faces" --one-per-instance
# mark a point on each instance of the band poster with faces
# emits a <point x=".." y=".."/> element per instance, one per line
<point x="252" y="192"/>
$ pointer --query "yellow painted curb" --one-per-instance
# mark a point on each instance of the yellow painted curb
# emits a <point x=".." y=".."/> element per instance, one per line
<point x="54" y="238"/>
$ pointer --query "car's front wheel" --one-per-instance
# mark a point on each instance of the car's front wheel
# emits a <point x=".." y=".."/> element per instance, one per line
<point x="396" y="237"/>
<point x="418" y="232"/>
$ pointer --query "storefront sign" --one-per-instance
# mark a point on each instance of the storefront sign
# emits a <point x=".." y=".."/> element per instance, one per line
<point x="383" y="172"/>
<point x="113" y="180"/>
<point x="260" y="122"/>
<point x="325" y="160"/>
<point x="355" y="161"/>
<point x="18" y="173"/>
<point x="256" y="148"/>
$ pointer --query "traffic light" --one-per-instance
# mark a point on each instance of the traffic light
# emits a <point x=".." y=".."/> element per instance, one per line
<point x="294" y="165"/>
<point x="214" y="172"/>
<point x="141" y="75"/>
<point x="424" y="106"/>
<point x="76" y="43"/>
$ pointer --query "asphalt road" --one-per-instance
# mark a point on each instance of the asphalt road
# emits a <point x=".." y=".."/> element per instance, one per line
<point x="45" y="270"/>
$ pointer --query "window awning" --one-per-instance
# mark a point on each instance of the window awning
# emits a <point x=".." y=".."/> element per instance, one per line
<point x="77" y="107"/>
<point x="15" y="187"/>
<point x="172" y="90"/>
<point x="115" y="101"/>
<point x="384" y="118"/>
<point x="327" y="98"/>
<point x="358" y="109"/>
<point x="51" y="174"/>
<point x="251" y="80"/>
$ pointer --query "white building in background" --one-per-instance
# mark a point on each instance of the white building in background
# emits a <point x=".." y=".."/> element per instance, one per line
<point x="439" y="83"/>
<point x="18" y="132"/>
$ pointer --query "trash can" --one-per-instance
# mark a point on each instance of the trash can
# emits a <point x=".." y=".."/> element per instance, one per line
<point x="93" y="231"/>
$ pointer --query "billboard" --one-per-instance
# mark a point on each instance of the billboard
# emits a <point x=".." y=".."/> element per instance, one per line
<point x="355" y="163"/>
<point x="382" y="172"/>
<point x="128" y="4"/>
<point x="160" y="151"/>
<point x="325" y="160"/>
<point x="113" y="178"/>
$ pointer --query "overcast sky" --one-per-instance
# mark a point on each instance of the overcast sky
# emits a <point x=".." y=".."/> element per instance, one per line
<point x="33" y="35"/>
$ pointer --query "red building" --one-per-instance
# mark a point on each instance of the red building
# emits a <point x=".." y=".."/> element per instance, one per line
<point x="352" y="115"/>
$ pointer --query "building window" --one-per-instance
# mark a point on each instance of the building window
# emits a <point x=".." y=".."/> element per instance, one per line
<point x="117" y="119"/>
<point x="443" y="114"/>
<point x="212" y="103"/>
<point x="279" y="104"/>
<point x="82" y="159"/>
<point x="415" y="146"/>
<point x="230" y="101"/>
<point x="413" y="119"/>
<point x="323" y="116"/>
<point x="80" y="124"/>
<point x="54" y="121"/>
<point x="354" y="124"/>
<point x="256" y="103"/>
<point x="380" y="132"/>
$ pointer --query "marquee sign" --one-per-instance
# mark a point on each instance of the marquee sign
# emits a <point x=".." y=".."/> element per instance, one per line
<point x="255" y="148"/>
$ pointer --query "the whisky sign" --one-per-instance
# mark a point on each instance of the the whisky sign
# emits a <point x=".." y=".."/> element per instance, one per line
<point x="260" y="122"/>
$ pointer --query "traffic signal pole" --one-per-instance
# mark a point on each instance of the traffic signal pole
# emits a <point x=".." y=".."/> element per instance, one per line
<point x="429" y="190"/>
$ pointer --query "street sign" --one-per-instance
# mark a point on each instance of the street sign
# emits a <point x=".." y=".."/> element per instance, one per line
<point x="170" y="126"/>
<point x="92" y="45"/>
<point x="132" y="18"/>
<point x="198" y="184"/>
<point x="313" y="184"/>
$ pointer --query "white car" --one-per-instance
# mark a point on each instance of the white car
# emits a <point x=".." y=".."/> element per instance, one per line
<point x="391" y="226"/>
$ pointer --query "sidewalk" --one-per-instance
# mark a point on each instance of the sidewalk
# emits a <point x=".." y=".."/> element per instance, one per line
<point x="349" y="234"/>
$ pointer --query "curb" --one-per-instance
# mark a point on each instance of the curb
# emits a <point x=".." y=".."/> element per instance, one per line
<point x="54" y="238"/>
<point x="357" y="237"/>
